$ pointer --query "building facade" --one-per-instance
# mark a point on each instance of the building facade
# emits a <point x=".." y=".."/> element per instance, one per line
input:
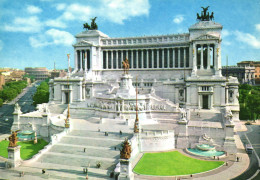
<point x="40" y="73"/>
<point x="244" y="74"/>
<point x="255" y="65"/>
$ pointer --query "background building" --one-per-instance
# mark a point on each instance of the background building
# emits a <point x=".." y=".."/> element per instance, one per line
<point x="247" y="72"/>
<point x="40" y="73"/>
<point x="244" y="74"/>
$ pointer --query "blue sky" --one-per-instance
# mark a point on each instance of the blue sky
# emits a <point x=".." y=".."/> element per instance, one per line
<point x="35" y="33"/>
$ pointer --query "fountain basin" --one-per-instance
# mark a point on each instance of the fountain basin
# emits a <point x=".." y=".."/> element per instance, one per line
<point x="25" y="135"/>
<point x="205" y="147"/>
<point x="210" y="153"/>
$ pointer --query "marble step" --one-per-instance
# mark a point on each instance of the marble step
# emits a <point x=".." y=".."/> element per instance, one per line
<point x="112" y="135"/>
<point x="99" y="142"/>
<point x="78" y="160"/>
<point x="89" y="151"/>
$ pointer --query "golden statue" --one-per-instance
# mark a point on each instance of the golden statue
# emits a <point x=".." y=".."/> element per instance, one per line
<point x="125" y="66"/>
<point x="125" y="153"/>
<point x="13" y="139"/>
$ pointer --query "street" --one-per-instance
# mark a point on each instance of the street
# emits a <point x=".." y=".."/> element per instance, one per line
<point x="251" y="137"/>
<point x="6" y="111"/>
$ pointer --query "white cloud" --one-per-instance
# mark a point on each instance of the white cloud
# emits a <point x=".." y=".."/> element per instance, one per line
<point x="248" y="39"/>
<point x="60" y="7"/>
<point x="1" y="45"/>
<point x="257" y="26"/>
<point x="119" y="10"/>
<point x="52" y="37"/>
<point x="225" y="33"/>
<point x="33" y="9"/>
<point x="55" y="23"/>
<point x="178" y="19"/>
<point x="112" y="10"/>
<point x="29" y="25"/>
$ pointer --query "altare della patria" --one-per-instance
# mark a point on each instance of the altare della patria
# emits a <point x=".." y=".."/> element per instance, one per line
<point x="160" y="92"/>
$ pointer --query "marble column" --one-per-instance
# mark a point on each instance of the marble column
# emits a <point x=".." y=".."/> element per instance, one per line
<point x="147" y="58"/>
<point x="132" y="60"/>
<point x="75" y="60"/>
<point x="106" y="59"/>
<point x="173" y="57"/>
<point x="85" y="63"/>
<point x="116" y="59"/>
<point x="179" y="57"/>
<point x="142" y="58"/>
<point x="208" y="56"/>
<point x="194" y="59"/>
<point x="201" y="56"/>
<point x="81" y="66"/>
<point x="122" y="57"/>
<point x="184" y="57"/>
<point x="157" y="58"/>
<point x="168" y="58"/>
<point x="215" y="56"/>
<point x="152" y="57"/>
<point x="137" y="60"/>
<point x="112" y="59"/>
<point x="162" y="58"/>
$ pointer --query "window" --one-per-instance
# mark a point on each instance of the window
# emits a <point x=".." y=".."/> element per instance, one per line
<point x="205" y="88"/>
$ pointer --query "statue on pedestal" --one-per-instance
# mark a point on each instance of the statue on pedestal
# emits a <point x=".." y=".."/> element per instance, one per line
<point x="229" y="115"/>
<point x="13" y="139"/>
<point x="125" y="66"/>
<point x="125" y="152"/>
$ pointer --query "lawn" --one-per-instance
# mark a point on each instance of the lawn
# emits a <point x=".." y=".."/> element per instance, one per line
<point x="172" y="163"/>
<point x="28" y="149"/>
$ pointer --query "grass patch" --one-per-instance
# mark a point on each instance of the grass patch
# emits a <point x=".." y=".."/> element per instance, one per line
<point x="172" y="163"/>
<point x="28" y="149"/>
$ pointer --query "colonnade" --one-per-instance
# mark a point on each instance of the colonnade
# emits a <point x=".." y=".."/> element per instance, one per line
<point x="206" y="56"/>
<point x="82" y="60"/>
<point x="147" y="58"/>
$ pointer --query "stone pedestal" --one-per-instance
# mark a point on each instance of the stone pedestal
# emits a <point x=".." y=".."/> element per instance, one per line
<point x="229" y="144"/>
<point x="125" y="170"/>
<point x="16" y="115"/>
<point x="14" y="159"/>
<point x="182" y="139"/>
<point x="126" y="87"/>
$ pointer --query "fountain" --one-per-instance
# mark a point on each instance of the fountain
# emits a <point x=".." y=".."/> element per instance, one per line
<point x="205" y="148"/>
<point x="25" y="135"/>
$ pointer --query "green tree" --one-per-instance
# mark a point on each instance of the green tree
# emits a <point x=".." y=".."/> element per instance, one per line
<point x="9" y="94"/>
<point x="42" y="94"/>
<point x="1" y="102"/>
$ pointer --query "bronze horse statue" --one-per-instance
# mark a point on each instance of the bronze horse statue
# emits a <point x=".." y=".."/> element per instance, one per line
<point x="93" y="25"/>
<point x="125" y="66"/>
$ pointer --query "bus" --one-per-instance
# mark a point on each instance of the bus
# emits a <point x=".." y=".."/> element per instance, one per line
<point x="249" y="148"/>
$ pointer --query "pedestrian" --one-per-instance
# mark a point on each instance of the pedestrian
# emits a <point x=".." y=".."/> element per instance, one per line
<point x="214" y="157"/>
<point x="84" y="149"/>
<point x="115" y="147"/>
<point x="120" y="132"/>
<point x="237" y="159"/>
<point x="43" y="171"/>
<point x="226" y="163"/>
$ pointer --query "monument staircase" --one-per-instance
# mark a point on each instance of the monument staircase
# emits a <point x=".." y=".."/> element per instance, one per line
<point x="88" y="135"/>
<point x="206" y="115"/>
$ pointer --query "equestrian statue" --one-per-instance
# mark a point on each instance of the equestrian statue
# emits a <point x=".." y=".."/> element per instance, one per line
<point x="125" y="66"/>
<point x="205" y="15"/>
<point x="92" y="26"/>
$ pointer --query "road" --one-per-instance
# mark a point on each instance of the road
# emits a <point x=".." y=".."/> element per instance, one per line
<point x="6" y="111"/>
<point x="252" y="136"/>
